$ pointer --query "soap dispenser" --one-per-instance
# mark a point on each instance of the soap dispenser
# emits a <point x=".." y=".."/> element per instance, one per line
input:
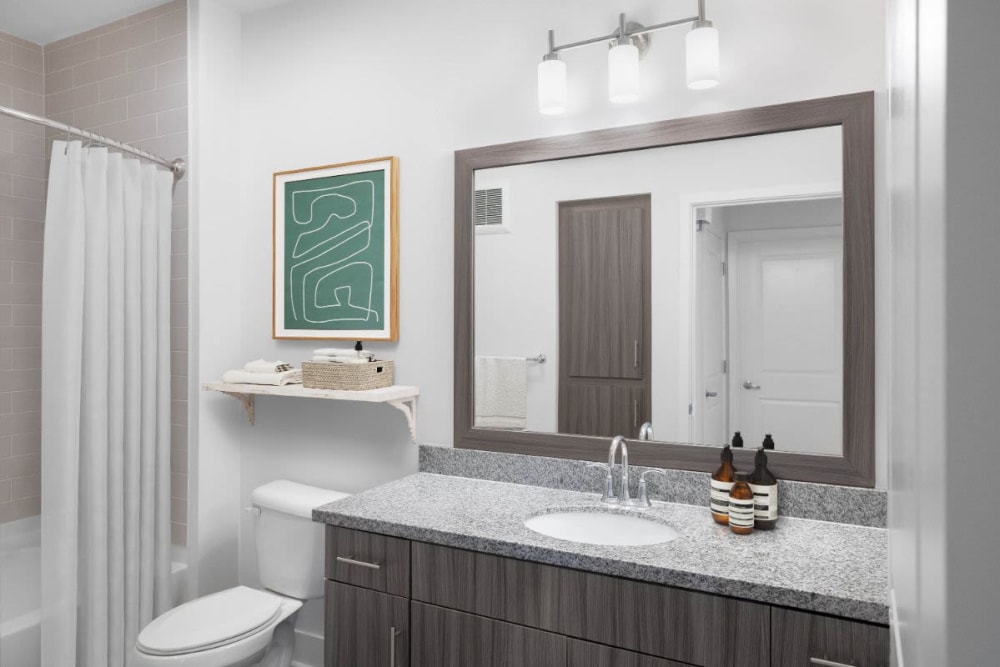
<point x="765" y="493"/>
<point x="722" y="482"/>
<point x="768" y="441"/>
<point x="737" y="440"/>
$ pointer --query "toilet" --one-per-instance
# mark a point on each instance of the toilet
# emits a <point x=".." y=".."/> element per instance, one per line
<point x="244" y="626"/>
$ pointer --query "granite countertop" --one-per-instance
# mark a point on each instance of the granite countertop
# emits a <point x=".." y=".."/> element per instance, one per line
<point x="832" y="568"/>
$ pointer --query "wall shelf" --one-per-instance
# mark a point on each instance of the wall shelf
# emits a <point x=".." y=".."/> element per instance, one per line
<point x="400" y="397"/>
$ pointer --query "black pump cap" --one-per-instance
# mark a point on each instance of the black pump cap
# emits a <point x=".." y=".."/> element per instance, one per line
<point x="760" y="459"/>
<point x="727" y="454"/>
<point x="737" y="440"/>
<point x="358" y="346"/>
<point x="768" y="441"/>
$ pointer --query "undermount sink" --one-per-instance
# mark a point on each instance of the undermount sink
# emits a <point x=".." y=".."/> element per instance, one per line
<point x="607" y="528"/>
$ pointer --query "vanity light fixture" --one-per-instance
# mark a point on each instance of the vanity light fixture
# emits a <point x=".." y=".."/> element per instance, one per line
<point x="628" y="43"/>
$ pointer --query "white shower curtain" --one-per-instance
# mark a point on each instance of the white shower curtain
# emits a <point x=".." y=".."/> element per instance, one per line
<point x="105" y="405"/>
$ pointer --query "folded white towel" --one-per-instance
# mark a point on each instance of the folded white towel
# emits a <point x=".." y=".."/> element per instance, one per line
<point x="293" y="376"/>
<point x="262" y="366"/>
<point x="501" y="399"/>
<point x="336" y="352"/>
<point x="341" y="360"/>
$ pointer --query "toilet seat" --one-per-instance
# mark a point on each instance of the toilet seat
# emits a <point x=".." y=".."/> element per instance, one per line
<point x="210" y="622"/>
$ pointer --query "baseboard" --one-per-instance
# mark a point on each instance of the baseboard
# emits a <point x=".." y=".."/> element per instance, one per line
<point x="308" y="650"/>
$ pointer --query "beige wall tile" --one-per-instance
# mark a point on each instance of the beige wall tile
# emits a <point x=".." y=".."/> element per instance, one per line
<point x="26" y="144"/>
<point x="128" y="84"/>
<point x="129" y="37"/>
<point x="174" y="23"/>
<point x="4" y="490"/>
<point x="59" y="81"/>
<point x="131" y="130"/>
<point x="112" y="111"/>
<point x="172" y="121"/>
<point x="178" y="485"/>
<point x="29" y="188"/>
<point x="23" y="315"/>
<point x="13" y="467"/>
<point x="24" y="165"/>
<point x="21" y="251"/>
<point x="100" y="69"/>
<point x="161" y="99"/>
<point x="178" y="534"/>
<point x="27" y="272"/>
<point x="22" y="207"/>
<point x="171" y="73"/>
<point x="71" y="55"/>
<point x="27" y="230"/>
<point x="5" y="50"/>
<point x="27" y="101"/>
<point x="20" y="509"/>
<point x="22" y="336"/>
<point x="25" y="401"/>
<point x="25" y="58"/>
<point x="158" y="52"/>
<point x="23" y="79"/>
<point x="74" y="98"/>
<point x="26" y="487"/>
<point x="5" y="183"/>
<point x="26" y="443"/>
<point x="167" y="145"/>
<point x="21" y="380"/>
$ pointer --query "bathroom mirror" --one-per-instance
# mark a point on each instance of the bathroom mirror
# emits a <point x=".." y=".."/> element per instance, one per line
<point x="705" y="276"/>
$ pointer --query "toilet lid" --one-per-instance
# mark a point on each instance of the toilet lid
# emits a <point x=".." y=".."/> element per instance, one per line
<point x="209" y="622"/>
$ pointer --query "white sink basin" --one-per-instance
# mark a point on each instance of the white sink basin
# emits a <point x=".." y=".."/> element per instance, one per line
<point x="610" y="528"/>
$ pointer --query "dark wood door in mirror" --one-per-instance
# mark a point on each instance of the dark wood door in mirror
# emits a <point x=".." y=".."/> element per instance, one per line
<point x="854" y="115"/>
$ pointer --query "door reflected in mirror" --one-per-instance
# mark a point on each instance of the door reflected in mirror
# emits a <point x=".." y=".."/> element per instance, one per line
<point x="697" y="288"/>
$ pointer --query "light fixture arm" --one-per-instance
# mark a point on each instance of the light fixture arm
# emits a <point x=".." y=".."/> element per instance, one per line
<point x="624" y="33"/>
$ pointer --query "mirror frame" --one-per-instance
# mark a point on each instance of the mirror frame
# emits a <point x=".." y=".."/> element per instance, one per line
<point x="854" y="113"/>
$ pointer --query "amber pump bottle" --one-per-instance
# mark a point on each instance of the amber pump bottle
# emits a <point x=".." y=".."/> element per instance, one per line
<point x="722" y="482"/>
<point x="741" y="506"/>
<point x="765" y="493"/>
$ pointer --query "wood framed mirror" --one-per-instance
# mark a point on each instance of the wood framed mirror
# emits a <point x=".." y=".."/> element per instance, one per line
<point x="821" y="334"/>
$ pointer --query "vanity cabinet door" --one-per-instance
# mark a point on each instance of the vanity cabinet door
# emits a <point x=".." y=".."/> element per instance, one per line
<point x="365" y="628"/>
<point x="446" y="638"/>
<point x="585" y="654"/>
<point x="801" y="639"/>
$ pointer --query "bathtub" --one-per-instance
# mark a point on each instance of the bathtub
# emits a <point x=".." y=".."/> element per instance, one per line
<point x="20" y="591"/>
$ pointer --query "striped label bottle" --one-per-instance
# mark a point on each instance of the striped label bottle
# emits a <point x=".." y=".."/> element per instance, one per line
<point x="720" y="496"/>
<point x="741" y="513"/>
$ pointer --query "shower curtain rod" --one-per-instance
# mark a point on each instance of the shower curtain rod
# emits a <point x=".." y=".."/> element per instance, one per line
<point x="178" y="166"/>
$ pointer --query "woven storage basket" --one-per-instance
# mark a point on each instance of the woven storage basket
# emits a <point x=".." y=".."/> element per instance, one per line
<point x="348" y="377"/>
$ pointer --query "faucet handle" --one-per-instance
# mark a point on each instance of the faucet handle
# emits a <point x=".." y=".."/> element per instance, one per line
<point x="644" y="489"/>
<point x="609" y="482"/>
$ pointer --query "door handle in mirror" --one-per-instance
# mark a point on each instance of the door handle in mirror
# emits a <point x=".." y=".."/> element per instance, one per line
<point x="747" y="384"/>
<point x="711" y="394"/>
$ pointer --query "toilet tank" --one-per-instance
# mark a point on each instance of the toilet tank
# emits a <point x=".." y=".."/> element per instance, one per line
<point x="289" y="543"/>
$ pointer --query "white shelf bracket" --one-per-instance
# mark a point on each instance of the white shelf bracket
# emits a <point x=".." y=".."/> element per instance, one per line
<point x="246" y="400"/>
<point x="408" y="407"/>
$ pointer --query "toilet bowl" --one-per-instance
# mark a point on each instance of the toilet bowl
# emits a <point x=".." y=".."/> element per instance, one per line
<point x="244" y="626"/>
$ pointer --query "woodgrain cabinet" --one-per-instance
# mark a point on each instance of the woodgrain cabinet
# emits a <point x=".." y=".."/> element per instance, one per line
<point x="458" y="608"/>
<point x="801" y="638"/>
<point x="365" y="628"/>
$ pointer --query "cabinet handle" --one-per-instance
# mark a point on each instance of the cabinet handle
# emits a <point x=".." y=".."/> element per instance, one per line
<point x="827" y="663"/>
<point x="635" y="355"/>
<point x="635" y="413"/>
<point x="392" y="646"/>
<point x="359" y="563"/>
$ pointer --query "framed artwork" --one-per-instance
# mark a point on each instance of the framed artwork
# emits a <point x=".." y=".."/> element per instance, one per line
<point x="336" y="252"/>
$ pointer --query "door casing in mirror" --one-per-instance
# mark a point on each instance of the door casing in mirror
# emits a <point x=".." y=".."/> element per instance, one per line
<point x="855" y="115"/>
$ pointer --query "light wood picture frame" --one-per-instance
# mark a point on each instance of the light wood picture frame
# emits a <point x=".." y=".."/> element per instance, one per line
<point x="335" y="262"/>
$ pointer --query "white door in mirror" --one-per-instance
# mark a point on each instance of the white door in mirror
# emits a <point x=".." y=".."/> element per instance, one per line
<point x="606" y="528"/>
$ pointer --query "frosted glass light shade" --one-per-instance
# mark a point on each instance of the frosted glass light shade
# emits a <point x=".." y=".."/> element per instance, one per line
<point x="551" y="87"/>
<point x="623" y="74"/>
<point x="702" y="45"/>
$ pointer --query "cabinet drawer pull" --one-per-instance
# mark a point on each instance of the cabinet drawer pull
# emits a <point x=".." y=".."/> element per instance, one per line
<point x="392" y="646"/>
<point x="827" y="663"/>
<point x="360" y="563"/>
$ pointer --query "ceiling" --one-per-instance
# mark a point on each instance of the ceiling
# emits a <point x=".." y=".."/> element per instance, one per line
<point x="45" y="21"/>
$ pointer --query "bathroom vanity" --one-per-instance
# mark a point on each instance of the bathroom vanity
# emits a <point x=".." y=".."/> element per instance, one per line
<point x="440" y="571"/>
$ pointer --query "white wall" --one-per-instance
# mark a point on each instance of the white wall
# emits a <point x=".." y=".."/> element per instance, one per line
<point x="326" y="82"/>
<point x="517" y="282"/>
<point x="946" y="379"/>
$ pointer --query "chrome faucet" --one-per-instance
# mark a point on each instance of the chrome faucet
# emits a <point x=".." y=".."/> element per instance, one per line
<point x="624" y="497"/>
<point x="646" y="431"/>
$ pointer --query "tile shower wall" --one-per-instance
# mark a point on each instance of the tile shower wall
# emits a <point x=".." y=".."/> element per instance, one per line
<point x="126" y="80"/>
<point x="22" y="212"/>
